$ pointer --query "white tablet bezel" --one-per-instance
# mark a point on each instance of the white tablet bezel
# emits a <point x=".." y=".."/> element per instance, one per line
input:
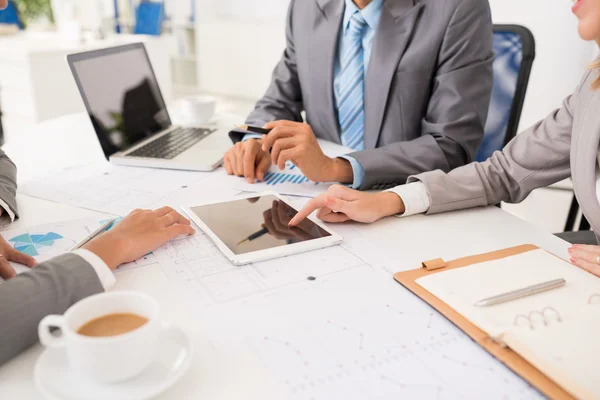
<point x="268" y="254"/>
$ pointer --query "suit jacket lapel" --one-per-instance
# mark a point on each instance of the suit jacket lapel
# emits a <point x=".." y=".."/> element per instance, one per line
<point x="395" y="27"/>
<point x="584" y="159"/>
<point x="322" y="58"/>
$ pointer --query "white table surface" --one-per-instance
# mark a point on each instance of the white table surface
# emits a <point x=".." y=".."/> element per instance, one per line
<point x="234" y="372"/>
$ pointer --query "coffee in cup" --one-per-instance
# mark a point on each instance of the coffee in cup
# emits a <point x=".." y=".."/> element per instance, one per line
<point x="112" y="325"/>
<point x="109" y="337"/>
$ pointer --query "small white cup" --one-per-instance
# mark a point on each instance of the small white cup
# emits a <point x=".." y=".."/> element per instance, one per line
<point x="198" y="109"/>
<point x="107" y="359"/>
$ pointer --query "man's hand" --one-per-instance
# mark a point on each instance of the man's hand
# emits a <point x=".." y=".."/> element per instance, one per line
<point x="8" y="253"/>
<point x="138" y="234"/>
<point x="247" y="159"/>
<point x="296" y="142"/>
<point x="341" y="204"/>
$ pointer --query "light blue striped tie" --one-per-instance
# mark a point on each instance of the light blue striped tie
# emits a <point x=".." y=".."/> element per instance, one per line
<point x="350" y="96"/>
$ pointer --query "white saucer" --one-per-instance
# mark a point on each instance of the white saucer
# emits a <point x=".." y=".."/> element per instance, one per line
<point x="55" y="380"/>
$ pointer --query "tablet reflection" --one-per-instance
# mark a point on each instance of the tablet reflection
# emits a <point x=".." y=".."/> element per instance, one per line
<point x="256" y="223"/>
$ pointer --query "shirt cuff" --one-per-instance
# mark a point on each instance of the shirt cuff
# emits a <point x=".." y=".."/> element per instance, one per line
<point x="415" y="197"/>
<point x="249" y="136"/>
<point x="8" y="216"/>
<point x="357" y="170"/>
<point x="107" y="279"/>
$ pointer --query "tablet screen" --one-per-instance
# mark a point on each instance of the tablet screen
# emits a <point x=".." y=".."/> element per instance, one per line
<point x="257" y="223"/>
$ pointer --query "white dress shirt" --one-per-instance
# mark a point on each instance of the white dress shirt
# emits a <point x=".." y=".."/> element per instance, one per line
<point x="8" y="216"/>
<point x="417" y="201"/>
<point x="107" y="279"/>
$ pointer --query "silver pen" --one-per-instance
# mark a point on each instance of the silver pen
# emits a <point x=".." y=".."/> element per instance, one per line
<point x="92" y="235"/>
<point x="520" y="293"/>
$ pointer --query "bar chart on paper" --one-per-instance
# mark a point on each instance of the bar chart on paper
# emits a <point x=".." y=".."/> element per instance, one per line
<point x="289" y="181"/>
<point x="277" y="178"/>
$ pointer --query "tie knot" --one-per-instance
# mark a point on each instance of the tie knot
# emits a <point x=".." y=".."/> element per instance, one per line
<point x="357" y="24"/>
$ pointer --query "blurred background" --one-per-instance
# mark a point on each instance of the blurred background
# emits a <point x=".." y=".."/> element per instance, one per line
<point x="228" y="48"/>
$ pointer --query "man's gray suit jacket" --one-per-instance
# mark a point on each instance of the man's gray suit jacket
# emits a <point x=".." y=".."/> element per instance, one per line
<point x="427" y="89"/>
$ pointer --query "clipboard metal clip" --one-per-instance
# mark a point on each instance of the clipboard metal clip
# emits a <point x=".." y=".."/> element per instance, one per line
<point x="433" y="265"/>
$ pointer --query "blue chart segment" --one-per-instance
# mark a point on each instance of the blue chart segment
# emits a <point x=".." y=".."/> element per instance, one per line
<point x="276" y="178"/>
<point x="31" y="244"/>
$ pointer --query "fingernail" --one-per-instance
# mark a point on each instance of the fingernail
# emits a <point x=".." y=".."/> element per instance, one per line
<point x="571" y="249"/>
<point x="572" y="260"/>
<point x="249" y="180"/>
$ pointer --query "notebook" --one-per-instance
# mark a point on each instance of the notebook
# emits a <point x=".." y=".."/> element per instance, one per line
<point x="557" y="331"/>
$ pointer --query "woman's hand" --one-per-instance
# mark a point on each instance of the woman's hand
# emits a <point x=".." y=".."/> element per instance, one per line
<point x="138" y="234"/>
<point x="9" y="253"/>
<point x="586" y="257"/>
<point x="340" y="204"/>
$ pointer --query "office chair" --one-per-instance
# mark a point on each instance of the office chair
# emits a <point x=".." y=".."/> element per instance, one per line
<point x="10" y="15"/>
<point x="149" y="17"/>
<point x="514" y="46"/>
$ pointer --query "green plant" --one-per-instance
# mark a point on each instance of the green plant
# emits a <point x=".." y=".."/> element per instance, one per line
<point x="30" y="10"/>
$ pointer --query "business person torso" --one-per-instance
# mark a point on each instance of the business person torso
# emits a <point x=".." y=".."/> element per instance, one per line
<point x="427" y="81"/>
<point x="564" y="144"/>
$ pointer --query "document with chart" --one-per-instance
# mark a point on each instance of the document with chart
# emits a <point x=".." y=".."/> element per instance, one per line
<point x="44" y="242"/>
<point x="290" y="181"/>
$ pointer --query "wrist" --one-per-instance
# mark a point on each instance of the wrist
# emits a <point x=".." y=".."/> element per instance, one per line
<point x="391" y="204"/>
<point x="339" y="170"/>
<point x="109" y="248"/>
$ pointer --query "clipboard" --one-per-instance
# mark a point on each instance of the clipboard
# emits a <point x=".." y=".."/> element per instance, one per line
<point x="502" y="353"/>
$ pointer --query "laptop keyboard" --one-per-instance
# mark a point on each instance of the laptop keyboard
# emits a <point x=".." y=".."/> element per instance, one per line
<point x="172" y="144"/>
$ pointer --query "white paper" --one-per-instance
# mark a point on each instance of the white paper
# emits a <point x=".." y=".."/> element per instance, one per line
<point x="198" y="266"/>
<point x="119" y="190"/>
<point x="351" y="335"/>
<point x="461" y="288"/>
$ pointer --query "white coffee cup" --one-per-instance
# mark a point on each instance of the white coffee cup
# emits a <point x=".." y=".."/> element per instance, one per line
<point x="108" y="359"/>
<point x="198" y="109"/>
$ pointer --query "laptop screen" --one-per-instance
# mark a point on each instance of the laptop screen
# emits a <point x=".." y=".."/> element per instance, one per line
<point x="121" y="95"/>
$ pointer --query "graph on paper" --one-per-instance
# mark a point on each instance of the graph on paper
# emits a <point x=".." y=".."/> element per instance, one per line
<point x="289" y="181"/>
<point x="294" y="176"/>
<point x="34" y="244"/>
<point x="44" y="242"/>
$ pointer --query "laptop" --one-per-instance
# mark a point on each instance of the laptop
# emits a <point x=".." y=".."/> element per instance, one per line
<point x="124" y="102"/>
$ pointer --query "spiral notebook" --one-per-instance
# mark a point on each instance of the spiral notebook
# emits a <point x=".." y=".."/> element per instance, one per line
<point x="551" y="339"/>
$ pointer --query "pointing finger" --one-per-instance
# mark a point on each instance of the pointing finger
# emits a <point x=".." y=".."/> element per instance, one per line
<point x="312" y="205"/>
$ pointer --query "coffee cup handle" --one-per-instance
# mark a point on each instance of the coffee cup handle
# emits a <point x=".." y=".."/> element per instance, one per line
<point x="46" y="337"/>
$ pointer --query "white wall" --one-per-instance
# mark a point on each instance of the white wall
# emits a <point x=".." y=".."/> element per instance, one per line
<point x="238" y="44"/>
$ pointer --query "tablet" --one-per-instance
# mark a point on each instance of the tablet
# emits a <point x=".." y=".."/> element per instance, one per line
<point x="255" y="228"/>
